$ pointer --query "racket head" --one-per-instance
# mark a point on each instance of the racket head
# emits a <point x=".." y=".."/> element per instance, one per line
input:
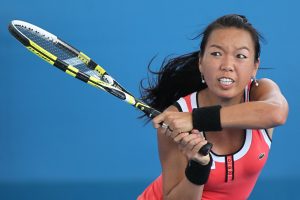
<point x="67" y="58"/>
<point x="49" y="47"/>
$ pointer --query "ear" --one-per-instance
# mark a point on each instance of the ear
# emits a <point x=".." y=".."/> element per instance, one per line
<point x="256" y="66"/>
<point x="199" y="64"/>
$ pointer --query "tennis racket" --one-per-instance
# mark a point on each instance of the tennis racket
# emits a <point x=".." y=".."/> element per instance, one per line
<point x="77" y="64"/>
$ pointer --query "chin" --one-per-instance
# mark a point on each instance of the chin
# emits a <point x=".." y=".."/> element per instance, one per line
<point x="227" y="95"/>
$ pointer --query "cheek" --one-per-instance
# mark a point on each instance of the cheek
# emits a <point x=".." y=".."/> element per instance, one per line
<point x="210" y="69"/>
<point x="245" y="76"/>
<point x="209" y="73"/>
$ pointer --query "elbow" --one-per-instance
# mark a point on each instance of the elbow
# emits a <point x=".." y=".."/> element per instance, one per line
<point x="278" y="120"/>
<point x="278" y="117"/>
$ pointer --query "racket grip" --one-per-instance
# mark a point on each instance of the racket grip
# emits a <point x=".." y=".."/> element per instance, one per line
<point x="153" y="113"/>
<point x="205" y="149"/>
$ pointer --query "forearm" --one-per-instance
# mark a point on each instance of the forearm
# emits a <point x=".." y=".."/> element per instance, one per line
<point x="182" y="179"/>
<point x="256" y="114"/>
<point x="190" y="186"/>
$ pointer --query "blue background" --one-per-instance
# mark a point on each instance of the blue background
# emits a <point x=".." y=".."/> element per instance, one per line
<point x="62" y="139"/>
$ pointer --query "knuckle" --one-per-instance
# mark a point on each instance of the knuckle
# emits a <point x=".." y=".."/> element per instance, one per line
<point x="176" y="124"/>
<point x="168" y="115"/>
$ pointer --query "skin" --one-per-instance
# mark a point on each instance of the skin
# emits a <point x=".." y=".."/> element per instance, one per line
<point x="229" y="53"/>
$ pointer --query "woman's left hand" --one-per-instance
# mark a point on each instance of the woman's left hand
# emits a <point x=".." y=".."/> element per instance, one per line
<point x="177" y="122"/>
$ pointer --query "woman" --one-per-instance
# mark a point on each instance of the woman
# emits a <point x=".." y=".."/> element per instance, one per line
<point x="220" y="101"/>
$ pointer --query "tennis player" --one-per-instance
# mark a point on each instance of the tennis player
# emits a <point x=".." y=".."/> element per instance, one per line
<point x="212" y="95"/>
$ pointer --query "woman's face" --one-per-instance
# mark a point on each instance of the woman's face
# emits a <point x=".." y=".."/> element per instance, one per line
<point x="228" y="62"/>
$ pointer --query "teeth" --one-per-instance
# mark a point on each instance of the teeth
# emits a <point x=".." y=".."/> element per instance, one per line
<point x="226" y="81"/>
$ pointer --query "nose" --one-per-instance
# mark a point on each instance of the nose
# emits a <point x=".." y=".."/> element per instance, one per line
<point x="227" y="64"/>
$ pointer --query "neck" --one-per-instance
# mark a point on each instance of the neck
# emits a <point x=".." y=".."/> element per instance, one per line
<point x="207" y="98"/>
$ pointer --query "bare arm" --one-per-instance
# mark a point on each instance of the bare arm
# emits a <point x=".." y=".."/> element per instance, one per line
<point x="174" y="162"/>
<point x="268" y="108"/>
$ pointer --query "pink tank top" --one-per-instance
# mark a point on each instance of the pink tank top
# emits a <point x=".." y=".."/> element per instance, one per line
<point x="232" y="176"/>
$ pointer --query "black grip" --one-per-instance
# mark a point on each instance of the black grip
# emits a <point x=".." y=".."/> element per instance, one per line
<point x="205" y="149"/>
<point x="153" y="113"/>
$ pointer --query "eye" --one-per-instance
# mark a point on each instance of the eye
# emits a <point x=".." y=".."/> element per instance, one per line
<point x="241" y="56"/>
<point x="216" y="53"/>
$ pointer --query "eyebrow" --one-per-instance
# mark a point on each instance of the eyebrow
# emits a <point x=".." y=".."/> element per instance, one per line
<point x="220" y="47"/>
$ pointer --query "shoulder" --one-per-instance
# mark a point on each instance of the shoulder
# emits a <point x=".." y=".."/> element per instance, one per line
<point x="267" y="81"/>
<point x="266" y="88"/>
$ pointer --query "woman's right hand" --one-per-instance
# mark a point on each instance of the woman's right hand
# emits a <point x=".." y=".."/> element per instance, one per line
<point x="190" y="144"/>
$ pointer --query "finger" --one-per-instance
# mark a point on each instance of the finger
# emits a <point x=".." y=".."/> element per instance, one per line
<point x="200" y="133"/>
<point x="195" y="131"/>
<point x="155" y="125"/>
<point x="193" y="142"/>
<point x="175" y="134"/>
<point x="168" y="132"/>
<point x="160" y="118"/>
<point x="198" y="146"/>
<point x="179" y="137"/>
<point x="185" y="140"/>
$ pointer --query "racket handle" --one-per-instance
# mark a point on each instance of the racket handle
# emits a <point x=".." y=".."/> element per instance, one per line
<point x="153" y="113"/>
<point x="205" y="149"/>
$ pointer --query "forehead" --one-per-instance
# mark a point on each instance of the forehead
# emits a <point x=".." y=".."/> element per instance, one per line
<point x="231" y="37"/>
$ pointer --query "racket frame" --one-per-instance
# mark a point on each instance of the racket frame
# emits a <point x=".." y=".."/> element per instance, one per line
<point x="111" y="86"/>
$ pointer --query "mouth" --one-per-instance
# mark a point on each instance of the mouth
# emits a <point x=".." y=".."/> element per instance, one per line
<point x="226" y="81"/>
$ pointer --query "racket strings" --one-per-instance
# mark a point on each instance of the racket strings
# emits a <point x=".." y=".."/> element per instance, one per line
<point x="59" y="50"/>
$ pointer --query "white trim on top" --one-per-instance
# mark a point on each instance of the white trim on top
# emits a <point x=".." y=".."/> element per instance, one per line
<point x="183" y="105"/>
<point x="218" y="158"/>
<point x="266" y="137"/>
<point x="243" y="151"/>
<point x="246" y="146"/>
<point x="194" y="100"/>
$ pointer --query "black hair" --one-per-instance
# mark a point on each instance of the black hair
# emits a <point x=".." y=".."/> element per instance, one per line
<point x="180" y="76"/>
<point x="236" y="21"/>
